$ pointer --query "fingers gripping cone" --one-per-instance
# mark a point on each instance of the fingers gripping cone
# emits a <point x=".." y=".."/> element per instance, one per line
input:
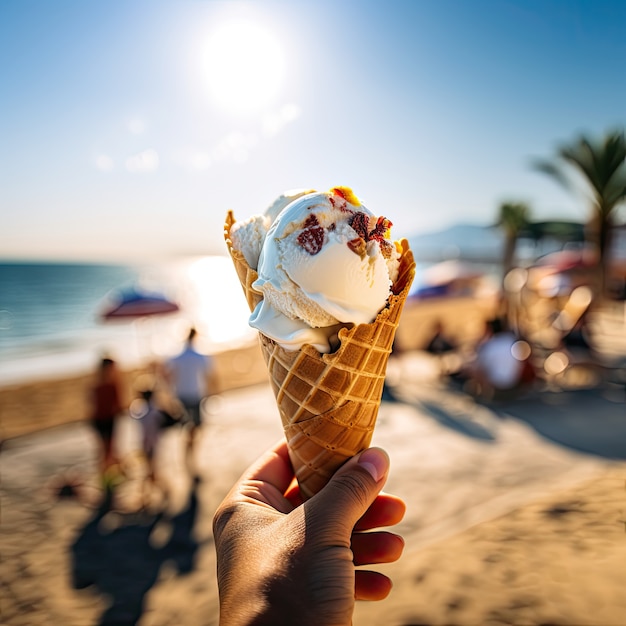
<point x="328" y="403"/>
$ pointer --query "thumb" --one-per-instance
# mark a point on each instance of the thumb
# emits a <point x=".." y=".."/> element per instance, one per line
<point x="353" y="488"/>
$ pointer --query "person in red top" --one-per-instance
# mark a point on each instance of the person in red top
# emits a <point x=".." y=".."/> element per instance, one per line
<point x="106" y="406"/>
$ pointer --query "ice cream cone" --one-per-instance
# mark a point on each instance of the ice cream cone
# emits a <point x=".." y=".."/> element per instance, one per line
<point x="246" y="274"/>
<point x="328" y="403"/>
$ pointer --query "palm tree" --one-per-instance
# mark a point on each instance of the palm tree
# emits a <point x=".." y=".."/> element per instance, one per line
<point x="602" y="165"/>
<point x="513" y="217"/>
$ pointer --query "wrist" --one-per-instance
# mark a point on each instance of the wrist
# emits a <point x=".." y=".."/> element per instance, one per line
<point x="266" y="603"/>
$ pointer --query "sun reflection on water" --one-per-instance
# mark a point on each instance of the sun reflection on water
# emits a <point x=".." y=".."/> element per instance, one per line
<point x="214" y="302"/>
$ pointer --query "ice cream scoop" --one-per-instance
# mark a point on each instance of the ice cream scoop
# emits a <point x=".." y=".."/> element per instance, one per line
<point x="248" y="235"/>
<point x="325" y="262"/>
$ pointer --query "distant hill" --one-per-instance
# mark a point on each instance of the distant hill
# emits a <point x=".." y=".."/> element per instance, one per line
<point x="467" y="241"/>
<point x="484" y="244"/>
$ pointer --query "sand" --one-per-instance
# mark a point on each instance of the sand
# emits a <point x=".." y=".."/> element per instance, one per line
<point x="516" y="511"/>
<point x="34" y="406"/>
<point x="559" y="560"/>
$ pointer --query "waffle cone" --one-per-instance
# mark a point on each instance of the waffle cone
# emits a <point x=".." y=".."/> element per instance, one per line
<point x="329" y="403"/>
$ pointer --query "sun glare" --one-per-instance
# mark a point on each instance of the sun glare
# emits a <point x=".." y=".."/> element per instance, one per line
<point x="216" y="303"/>
<point x="243" y="64"/>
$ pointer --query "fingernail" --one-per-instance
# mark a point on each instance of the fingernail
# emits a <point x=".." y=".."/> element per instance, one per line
<point x="375" y="461"/>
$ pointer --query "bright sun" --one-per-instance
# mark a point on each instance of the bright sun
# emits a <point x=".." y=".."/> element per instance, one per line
<point x="244" y="65"/>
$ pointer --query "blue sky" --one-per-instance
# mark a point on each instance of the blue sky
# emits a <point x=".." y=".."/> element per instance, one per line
<point x="128" y="128"/>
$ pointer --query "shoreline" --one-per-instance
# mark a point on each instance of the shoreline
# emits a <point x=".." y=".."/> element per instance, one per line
<point x="47" y="401"/>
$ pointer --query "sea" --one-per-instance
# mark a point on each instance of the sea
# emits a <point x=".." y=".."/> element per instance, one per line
<point x="51" y="320"/>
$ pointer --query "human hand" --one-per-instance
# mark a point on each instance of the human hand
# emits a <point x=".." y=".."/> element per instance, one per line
<point x="281" y="561"/>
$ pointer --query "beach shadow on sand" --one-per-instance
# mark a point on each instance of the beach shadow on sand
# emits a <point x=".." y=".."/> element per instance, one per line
<point x="121" y="555"/>
<point x="584" y="420"/>
<point x="459" y="423"/>
<point x="591" y="420"/>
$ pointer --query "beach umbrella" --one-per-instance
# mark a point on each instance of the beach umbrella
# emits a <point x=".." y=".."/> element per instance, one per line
<point x="451" y="277"/>
<point x="140" y="308"/>
<point x="564" y="260"/>
<point x="132" y="303"/>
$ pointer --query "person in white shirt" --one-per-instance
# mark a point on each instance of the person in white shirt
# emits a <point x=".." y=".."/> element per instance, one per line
<point x="496" y="366"/>
<point x="190" y="375"/>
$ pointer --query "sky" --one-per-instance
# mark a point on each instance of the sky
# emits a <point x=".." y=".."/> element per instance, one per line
<point x="129" y="127"/>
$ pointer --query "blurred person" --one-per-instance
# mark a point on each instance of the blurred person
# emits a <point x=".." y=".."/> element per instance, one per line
<point x="151" y="419"/>
<point x="106" y="406"/>
<point x="191" y="376"/>
<point x="282" y="562"/>
<point x="439" y="343"/>
<point x="501" y="362"/>
<point x="445" y="351"/>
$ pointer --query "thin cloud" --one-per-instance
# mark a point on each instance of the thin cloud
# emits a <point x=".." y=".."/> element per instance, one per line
<point x="136" y="126"/>
<point x="146" y="161"/>
<point x="235" y="147"/>
<point x="104" y="163"/>
<point x="192" y="159"/>
<point x="276" y="122"/>
<point x="200" y="160"/>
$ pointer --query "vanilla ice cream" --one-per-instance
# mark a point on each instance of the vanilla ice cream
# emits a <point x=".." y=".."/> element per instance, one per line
<point x="248" y="235"/>
<point x="326" y="261"/>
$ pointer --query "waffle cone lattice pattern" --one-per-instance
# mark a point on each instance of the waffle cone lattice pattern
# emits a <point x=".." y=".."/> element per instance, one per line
<point x="328" y="403"/>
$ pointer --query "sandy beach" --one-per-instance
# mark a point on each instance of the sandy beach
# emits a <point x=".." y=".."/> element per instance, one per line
<point x="516" y="512"/>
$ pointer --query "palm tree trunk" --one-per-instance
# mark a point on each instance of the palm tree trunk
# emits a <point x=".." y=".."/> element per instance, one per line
<point x="508" y="256"/>
<point x="604" y="247"/>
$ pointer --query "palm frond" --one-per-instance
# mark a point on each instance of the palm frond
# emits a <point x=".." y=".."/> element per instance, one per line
<point x="588" y="161"/>
<point x="553" y="170"/>
<point x="601" y="164"/>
